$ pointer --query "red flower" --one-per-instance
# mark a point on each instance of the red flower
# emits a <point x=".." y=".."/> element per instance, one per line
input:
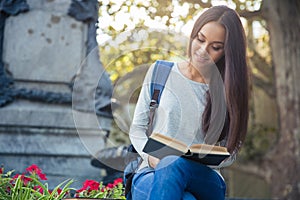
<point x="114" y="184"/>
<point x="94" y="185"/>
<point x="42" y="176"/>
<point x="110" y="185"/>
<point x="89" y="185"/>
<point x="8" y="189"/>
<point x="1" y="170"/>
<point x="16" y="176"/>
<point x="24" y="178"/>
<point x="117" y="181"/>
<point x="34" y="169"/>
<point x="58" y="191"/>
<point x="38" y="188"/>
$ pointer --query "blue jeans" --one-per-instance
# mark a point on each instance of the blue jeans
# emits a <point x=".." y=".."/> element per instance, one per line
<point x="176" y="178"/>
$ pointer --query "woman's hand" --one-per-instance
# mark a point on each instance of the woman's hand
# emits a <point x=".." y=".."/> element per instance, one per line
<point x="153" y="161"/>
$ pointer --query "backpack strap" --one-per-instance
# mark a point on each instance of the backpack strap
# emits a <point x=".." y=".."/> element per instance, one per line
<point x="159" y="78"/>
<point x="160" y="75"/>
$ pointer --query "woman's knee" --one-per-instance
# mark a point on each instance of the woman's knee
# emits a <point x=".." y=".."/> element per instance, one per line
<point x="141" y="183"/>
<point x="170" y="161"/>
<point x="172" y="169"/>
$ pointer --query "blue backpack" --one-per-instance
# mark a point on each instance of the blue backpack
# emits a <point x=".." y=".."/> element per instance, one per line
<point x="159" y="78"/>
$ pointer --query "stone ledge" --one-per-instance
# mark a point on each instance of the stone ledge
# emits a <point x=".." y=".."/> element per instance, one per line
<point x="36" y="114"/>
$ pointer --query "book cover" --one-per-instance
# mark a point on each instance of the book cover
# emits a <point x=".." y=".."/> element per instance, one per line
<point x="160" y="146"/>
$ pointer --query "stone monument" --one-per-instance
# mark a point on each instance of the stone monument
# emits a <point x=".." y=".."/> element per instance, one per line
<point x="55" y="94"/>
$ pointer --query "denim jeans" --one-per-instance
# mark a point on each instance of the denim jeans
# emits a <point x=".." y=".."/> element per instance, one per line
<point x="176" y="178"/>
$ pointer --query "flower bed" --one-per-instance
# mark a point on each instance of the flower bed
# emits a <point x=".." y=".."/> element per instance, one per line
<point x="31" y="185"/>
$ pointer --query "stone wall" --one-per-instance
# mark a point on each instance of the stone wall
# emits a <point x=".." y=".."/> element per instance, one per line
<point x="42" y="56"/>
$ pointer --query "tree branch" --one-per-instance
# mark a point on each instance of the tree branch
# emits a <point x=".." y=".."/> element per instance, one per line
<point x="266" y="86"/>
<point x="260" y="64"/>
<point x="250" y="14"/>
<point x="256" y="60"/>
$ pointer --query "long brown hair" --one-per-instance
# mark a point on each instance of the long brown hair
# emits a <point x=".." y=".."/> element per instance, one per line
<point x="234" y="73"/>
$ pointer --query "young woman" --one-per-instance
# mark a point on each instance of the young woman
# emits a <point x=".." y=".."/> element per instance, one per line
<point x="205" y="100"/>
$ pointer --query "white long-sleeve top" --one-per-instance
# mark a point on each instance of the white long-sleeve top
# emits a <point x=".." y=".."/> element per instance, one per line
<point x="179" y="114"/>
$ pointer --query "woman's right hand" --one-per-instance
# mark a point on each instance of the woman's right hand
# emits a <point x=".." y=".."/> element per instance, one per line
<point x="153" y="161"/>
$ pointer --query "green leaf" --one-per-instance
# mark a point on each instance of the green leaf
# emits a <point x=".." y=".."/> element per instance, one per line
<point x="65" y="189"/>
<point x="39" y="183"/>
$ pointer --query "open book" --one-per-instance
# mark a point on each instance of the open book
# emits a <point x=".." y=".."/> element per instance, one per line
<point x="159" y="146"/>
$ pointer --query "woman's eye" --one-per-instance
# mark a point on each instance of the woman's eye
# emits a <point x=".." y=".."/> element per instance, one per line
<point x="200" y="40"/>
<point x="217" y="48"/>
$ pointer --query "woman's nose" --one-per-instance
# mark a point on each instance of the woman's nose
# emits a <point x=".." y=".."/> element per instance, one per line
<point x="203" y="49"/>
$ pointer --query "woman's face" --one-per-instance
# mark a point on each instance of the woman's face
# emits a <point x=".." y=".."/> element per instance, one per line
<point x="208" y="46"/>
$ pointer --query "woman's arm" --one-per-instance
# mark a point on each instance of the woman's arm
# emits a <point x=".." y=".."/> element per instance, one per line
<point x="139" y="126"/>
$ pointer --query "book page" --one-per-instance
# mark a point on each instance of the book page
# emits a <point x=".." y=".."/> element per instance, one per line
<point x="170" y="142"/>
<point x="208" y="149"/>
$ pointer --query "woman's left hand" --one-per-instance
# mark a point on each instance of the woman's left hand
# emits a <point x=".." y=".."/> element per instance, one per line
<point x="153" y="161"/>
